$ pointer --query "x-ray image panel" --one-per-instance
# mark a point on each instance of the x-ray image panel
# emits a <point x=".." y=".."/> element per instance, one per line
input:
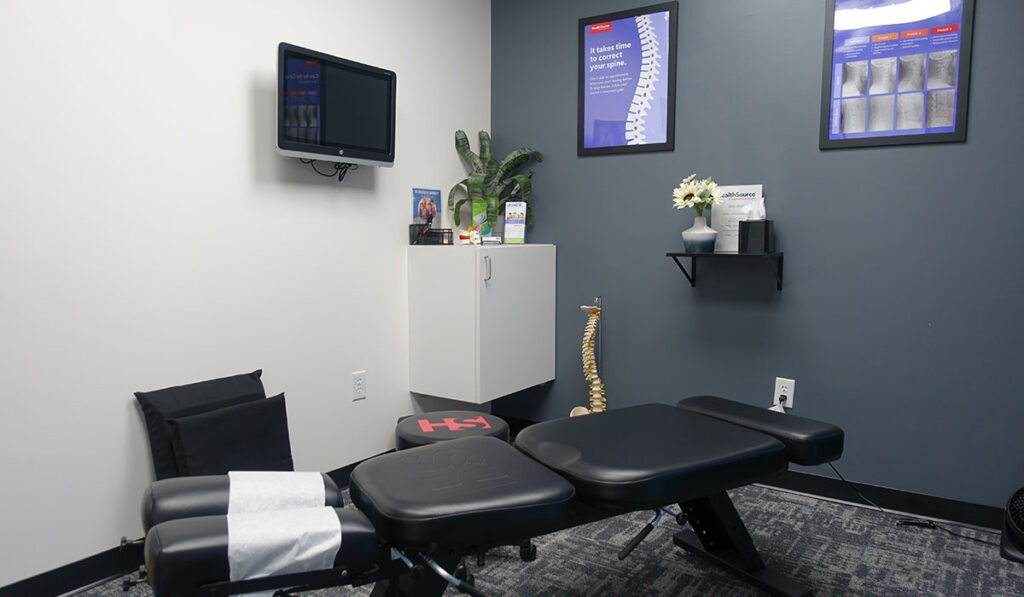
<point x="301" y="123"/>
<point x="854" y="115"/>
<point x="910" y="111"/>
<point x="942" y="69"/>
<point x="880" y="112"/>
<point x="883" y="75"/>
<point x="911" y="72"/>
<point x="941" y="108"/>
<point x="855" y="78"/>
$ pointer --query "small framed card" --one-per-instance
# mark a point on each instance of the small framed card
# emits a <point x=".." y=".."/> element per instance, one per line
<point x="515" y="222"/>
<point x="426" y="206"/>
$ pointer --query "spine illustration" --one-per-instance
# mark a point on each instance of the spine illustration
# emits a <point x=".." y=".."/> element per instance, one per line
<point x="650" y="69"/>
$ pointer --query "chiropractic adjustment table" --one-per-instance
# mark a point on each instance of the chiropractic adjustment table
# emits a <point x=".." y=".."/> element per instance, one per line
<point x="418" y="511"/>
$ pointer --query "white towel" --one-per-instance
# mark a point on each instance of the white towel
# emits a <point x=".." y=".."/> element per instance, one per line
<point x="283" y="542"/>
<point x="259" y="491"/>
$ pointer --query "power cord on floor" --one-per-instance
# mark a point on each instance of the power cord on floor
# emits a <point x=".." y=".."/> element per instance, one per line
<point x="904" y="521"/>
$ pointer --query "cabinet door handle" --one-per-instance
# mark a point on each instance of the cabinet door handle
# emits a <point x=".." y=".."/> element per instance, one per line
<point x="487" y="268"/>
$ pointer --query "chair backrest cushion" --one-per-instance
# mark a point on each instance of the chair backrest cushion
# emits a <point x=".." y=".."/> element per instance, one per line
<point x="251" y="436"/>
<point x="181" y="401"/>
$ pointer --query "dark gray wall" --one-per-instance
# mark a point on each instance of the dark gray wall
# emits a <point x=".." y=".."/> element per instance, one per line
<point x="899" y="318"/>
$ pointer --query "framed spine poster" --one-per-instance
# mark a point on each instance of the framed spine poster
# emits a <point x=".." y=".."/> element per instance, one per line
<point x="627" y="81"/>
<point x="895" y="72"/>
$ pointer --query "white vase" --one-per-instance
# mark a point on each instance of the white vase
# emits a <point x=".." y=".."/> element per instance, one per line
<point x="699" y="238"/>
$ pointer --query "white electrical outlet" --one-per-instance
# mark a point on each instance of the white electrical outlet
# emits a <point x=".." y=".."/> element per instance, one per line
<point x="784" y="390"/>
<point x="358" y="385"/>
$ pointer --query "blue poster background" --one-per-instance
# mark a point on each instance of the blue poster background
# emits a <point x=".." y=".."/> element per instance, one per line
<point x="302" y="99"/>
<point x="907" y="44"/>
<point x="625" y="93"/>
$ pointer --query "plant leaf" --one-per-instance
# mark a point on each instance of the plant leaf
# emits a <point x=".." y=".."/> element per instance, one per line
<point x="512" y="161"/>
<point x="486" y="150"/>
<point x="523" y="186"/>
<point x="475" y="186"/>
<point x="490" y="171"/>
<point x="455" y="211"/>
<point x="493" y="199"/>
<point x="451" y="194"/>
<point x="462" y="146"/>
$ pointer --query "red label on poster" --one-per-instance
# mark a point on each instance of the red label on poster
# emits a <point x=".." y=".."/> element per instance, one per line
<point x="601" y="27"/>
<point x="946" y="29"/>
<point x="914" y="33"/>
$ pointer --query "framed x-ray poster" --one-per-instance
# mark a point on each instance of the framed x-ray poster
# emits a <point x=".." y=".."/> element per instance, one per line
<point x="627" y="82"/>
<point x="895" y="72"/>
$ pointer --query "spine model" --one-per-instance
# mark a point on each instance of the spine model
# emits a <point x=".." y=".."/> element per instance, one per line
<point x="597" y="400"/>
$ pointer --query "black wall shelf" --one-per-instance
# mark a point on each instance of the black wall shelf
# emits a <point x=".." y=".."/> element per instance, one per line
<point x="774" y="260"/>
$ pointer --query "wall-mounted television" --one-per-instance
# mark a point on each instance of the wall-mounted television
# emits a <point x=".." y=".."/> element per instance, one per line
<point x="333" y="109"/>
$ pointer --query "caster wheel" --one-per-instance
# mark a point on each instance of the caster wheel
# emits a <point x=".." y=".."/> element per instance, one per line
<point x="461" y="572"/>
<point x="528" y="552"/>
<point x="681" y="519"/>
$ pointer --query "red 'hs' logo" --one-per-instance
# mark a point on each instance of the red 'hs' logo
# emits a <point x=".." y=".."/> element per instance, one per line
<point x="450" y="423"/>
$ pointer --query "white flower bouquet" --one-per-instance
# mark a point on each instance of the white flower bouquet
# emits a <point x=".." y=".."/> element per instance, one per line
<point x="698" y="194"/>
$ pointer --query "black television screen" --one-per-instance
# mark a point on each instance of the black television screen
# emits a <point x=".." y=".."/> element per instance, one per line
<point x="330" y="108"/>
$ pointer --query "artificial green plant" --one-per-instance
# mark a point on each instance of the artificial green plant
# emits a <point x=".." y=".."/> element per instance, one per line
<point x="491" y="181"/>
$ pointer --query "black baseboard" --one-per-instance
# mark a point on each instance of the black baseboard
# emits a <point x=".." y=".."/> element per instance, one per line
<point x="103" y="566"/>
<point x="891" y="499"/>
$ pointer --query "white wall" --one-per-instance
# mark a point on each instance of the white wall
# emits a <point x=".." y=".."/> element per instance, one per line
<point x="151" y="237"/>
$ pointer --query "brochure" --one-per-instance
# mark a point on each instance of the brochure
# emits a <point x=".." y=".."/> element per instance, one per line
<point x="737" y="202"/>
<point x="515" y="222"/>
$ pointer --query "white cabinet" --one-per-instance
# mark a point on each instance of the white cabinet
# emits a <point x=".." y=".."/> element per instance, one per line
<point x="481" y="320"/>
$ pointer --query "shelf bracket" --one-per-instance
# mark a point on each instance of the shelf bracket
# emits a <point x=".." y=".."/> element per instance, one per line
<point x="774" y="261"/>
<point x="777" y="268"/>
<point x="693" y="268"/>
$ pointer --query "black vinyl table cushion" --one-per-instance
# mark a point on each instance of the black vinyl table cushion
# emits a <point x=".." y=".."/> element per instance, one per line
<point x="651" y="455"/>
<point x="458" y="493"/>
<point x="807" y="441"/>
<point x="204" y="495"/>
<point x="182" y="555"/>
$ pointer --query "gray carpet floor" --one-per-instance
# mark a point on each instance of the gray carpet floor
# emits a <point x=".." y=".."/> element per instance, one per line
<point x="834" y="548"/>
